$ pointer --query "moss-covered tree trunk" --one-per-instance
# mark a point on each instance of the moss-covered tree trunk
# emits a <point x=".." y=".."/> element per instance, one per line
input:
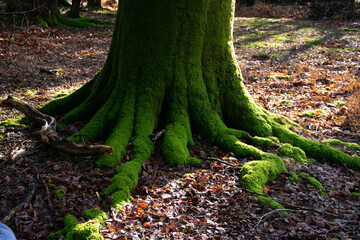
<point x="75" y="9"/>
<point x="171" y="65"/>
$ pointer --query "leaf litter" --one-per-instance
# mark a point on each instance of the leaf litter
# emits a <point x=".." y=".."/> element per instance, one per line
<point x="286" y="76"/>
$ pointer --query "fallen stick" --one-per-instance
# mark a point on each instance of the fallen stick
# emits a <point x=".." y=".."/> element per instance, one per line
<point x="48" y="198"/>
<point x="18" y="207"/>
<point x="217" y="159"/>
<point x="47" y="134"/>
<point x="295" y="206"/>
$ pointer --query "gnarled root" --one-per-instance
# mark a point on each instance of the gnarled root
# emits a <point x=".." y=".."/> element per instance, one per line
<point x="48" y="134"/>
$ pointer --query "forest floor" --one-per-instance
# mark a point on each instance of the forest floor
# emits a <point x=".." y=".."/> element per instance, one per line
<point x="307" y="71"/>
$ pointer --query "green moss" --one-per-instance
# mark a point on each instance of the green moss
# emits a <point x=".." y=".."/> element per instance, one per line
<point x="339" y="103"/>
<point x="75" y="231"/>
<point x="120" y="135"/>
<point x="79" y="22"/>
<point x="272" y="204"/>
<point x="315" y="149"/>
<point x="43" y="23"/>
<point x="355" y="194"/>
<point x="312" y="113"/>
<point x="293" y="178"/>
<point x="352" y="29"/>
<point x="88" y="231"/>
<point x="336" y="142"/>
<point x="59" y="194"/>
<point x="280" y="39"/>
<point x="96" y="215"/>
<point x="256" y="174"/>
<point x="174" y="147"/>
<point x="292" y="152"/>
<point x="123" y="183"/>
<point x="311" y="180"/>
<point x="14" y="122"/>
<point x="260" y="141"/>
<point x="274" y="139"/>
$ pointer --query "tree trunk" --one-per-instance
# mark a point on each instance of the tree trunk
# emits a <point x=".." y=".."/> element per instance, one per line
<point x="171" y="65"/>
<point x="33" y="10"/>
<point x="93" y="4"/>
<point x="75" y="9"/>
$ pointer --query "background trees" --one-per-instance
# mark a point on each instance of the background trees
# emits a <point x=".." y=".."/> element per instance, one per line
<point x="93" y="4"/>
<point x="32" y="11"/>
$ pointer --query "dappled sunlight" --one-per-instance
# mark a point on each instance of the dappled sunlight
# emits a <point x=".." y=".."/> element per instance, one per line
<point x="291" y="67"/>
<point x="38" y="65"/>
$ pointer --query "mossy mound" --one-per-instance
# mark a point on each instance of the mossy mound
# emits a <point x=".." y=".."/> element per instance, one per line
<point x="179" y="72"/>
<point x="355" y="194"/>
<point x="78" y="231"/>
<point x="292" y="152"/>
<point x="96" y="215"/>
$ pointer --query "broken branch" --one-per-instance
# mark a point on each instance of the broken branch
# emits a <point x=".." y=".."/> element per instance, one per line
<point x="47" y="134"/>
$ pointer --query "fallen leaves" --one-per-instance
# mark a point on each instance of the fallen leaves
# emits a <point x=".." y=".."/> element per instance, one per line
<point x="185" y="202"/>
<point x="297" y="76"/>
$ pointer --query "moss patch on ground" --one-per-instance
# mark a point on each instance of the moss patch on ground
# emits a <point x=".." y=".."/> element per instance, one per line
<point x="59" y="194"/>
<point x="12" y="123"/>
<point x="312" y="113"/>
<point x="96" y="215"/>
<point x="78" y="231"/>
<point x="355" y="194"/>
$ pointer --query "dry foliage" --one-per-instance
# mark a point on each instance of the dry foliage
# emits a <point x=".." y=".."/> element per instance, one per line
<point x="284" y="73"/>
<point x="352" y="120"/>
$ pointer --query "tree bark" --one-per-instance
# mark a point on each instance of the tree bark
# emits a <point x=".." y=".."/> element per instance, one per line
<point x="171" y="65"/>
<point x="93" y="4"/>
<point x="75" y="9"/>
<point x="33" y="10"/>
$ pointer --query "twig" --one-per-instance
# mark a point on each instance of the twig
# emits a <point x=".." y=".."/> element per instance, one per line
<point x="295" y="206"/>
<point x="17" y="154"/>
<point x="48" y="135"/>
<point x="263" y="217"/>
<point x="347" y="133"/>
<point x="20" y="153"/>
<point x="158" y="134"/>
<point x="38" y="175"/>
<point x="18" y="207"/>
<point x="48" y="196"/>
<point x="23" y="12"/>
<point x="217" y="159"/>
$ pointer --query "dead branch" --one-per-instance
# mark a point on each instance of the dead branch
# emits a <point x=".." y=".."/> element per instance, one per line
<point x="218" y="160"/>
<point x="23" y="12"/>
<point x="48" y="198"/>
<point x="18" y="207"/>
<point x="295" y="206"/>
<point x="47" y="134"/>
<point x="266" y="215"/>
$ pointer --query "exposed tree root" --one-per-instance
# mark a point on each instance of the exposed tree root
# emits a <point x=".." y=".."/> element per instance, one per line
<point x="178" y="72"/>
<point x="48" y="134"/>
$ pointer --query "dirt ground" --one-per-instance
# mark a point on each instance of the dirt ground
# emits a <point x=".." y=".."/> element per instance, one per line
<point x="308" y="71"/>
